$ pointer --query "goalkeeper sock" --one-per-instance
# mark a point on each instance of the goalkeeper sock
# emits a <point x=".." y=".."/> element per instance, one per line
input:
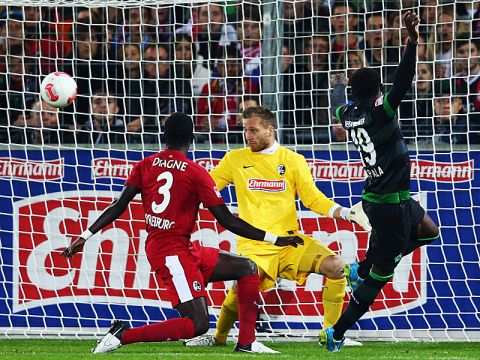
<point x="247" y="308"/>
<point x="228" y="316"/>
<point x="170" y="330"/>
<point x="333" y="298"/>
<point x="359" y="304"/>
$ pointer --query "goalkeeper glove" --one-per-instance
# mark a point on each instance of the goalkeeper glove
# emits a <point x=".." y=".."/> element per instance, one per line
<point x="357" y="215"/>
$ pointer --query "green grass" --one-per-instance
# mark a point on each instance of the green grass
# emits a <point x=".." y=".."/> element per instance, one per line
<point x="80" y="349"/>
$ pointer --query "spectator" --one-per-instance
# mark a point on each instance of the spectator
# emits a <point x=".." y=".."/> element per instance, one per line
<point x="355" y="60"/>
<point x="297" y="23"/>
<point x="191" y="82"/>
<point x="129" y="56"/>
<point x="105" y="125"/>
<point x="218" y="103"/>
<point x="443" y="40"/>
<point x="19" y="89"/>
<point x="416" y="111"/>
<point x="89" y="69"/>
<point x="377" y="52"/>
<point x="42" y="127"/>
<point x="467" y="76"/>
<point x="209" y="31"/>
<point x="249" y="38"/>
<point x="450" y="123"/>
<point x="344" y="25"/>
<point x="248" y="102"/>
<point x="311" y="95"/>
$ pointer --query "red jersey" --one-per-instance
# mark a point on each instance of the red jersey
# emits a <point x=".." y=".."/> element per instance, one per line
<point x="172" y="188"/>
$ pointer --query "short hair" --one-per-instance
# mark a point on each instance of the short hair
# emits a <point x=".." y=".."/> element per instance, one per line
<point x="268" y="118"/>
<point x="178" y="129"/>
<point x="365" y="83"/>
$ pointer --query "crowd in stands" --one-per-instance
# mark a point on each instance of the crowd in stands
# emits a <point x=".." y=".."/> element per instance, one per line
<point x="134" y="66"/>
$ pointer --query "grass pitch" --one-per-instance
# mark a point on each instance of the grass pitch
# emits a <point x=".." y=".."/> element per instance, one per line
<point x="80" y="349"/>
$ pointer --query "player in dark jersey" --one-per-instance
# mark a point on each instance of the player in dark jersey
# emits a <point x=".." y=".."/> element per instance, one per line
<point x="399" y="224"/>
<point x="172" y="188"/>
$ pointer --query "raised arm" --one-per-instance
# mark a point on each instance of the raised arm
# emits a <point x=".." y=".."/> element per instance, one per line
<point x="110" y="214"/>
<point x="244" y="229"/>
<point x="406" y="69"/>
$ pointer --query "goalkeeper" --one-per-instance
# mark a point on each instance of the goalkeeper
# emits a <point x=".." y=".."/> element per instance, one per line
<point x="267" y="179"/>
<point x="400" y="224"/>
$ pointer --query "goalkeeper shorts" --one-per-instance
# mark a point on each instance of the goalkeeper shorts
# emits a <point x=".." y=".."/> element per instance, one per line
<point x="286" y="262"/>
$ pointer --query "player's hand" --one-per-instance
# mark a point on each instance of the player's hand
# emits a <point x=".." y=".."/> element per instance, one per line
<point x="410" y="20"/>
<point x="358" y="216"/>
<point x="74" y="248"/>
<point x="336" y="79"/>
<point x="289" y="240"/>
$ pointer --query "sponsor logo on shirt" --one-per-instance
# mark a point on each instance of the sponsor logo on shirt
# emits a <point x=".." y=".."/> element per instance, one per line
<point x="31" y="169"/>
<point x="266" y="185"/>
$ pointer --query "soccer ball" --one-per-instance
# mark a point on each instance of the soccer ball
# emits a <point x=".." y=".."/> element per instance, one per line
<point x="58" y="89"/>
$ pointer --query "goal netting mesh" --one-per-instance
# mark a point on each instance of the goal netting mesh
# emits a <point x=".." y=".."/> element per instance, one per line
<point x="135" y="62"/>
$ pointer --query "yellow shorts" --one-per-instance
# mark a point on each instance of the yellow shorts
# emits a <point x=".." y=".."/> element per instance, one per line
<point x="285" y="262"/>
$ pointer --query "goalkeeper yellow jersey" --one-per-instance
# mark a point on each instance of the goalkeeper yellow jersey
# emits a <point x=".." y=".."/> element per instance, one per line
<point x="266" y="185"/>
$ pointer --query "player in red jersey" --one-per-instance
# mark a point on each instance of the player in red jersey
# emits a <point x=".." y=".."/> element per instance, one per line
<point x="172" y="188"/>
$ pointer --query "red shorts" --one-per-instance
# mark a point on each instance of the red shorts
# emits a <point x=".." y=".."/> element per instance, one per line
<point x="186" y="275"/>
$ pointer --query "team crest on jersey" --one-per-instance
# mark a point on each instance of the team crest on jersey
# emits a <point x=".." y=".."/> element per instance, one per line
<point x="281" y="169"/>
<point x="197" y="286"/>
<point x="379" y="101"/>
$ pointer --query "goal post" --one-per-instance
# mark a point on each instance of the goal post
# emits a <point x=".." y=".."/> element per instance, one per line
<point x="135" y="62"/>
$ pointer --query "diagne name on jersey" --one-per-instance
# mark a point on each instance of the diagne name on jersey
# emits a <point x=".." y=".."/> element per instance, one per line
<point x="170" y="164"/>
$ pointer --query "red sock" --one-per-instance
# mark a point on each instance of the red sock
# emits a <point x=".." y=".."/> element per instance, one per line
<point x="247" y="308"/>
<point x="170" y="330"/>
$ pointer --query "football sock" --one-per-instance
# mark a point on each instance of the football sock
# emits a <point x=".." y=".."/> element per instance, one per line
<point x="364" y="268"/>
<point x="333" y="298"/>
<point x="170" y="330"/>
<point x="247" y="308"/>
<point x="228" y="316"/>
<point x="359" y="304"/>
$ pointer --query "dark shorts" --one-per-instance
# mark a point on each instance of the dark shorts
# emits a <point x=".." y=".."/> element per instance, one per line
<point x="392" y="226"/>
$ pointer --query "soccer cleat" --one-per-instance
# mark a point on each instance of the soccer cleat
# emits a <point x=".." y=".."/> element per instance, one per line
<point x="255" y="347"/>
<point x="111" y="341"/>
<point x="326" y="337"/>
<point x="353" y="279"/>
<point x="204" y="340"/>
<point x="346" y="342"/>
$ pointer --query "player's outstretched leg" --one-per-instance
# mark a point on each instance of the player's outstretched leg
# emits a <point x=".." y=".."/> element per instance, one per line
<point x="245" y="271"/>
<point x="112" y="339"/>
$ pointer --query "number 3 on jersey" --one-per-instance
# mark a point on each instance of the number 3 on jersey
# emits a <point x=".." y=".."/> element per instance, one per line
<point x="165" y="191"/>
<point x="363" y="142"/>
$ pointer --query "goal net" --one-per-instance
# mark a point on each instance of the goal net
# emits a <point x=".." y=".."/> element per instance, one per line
<point x="135" y="62"/>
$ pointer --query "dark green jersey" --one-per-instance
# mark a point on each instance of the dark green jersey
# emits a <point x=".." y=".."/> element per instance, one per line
<point x="373" y="127"/>
<point x="383" y="150"/>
